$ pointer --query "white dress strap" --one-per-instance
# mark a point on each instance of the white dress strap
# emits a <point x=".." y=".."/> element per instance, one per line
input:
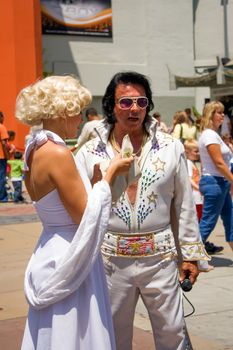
<point x="38" y="139"/>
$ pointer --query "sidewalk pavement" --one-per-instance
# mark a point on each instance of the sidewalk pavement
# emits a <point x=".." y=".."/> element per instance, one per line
<point x="210" y="327"/>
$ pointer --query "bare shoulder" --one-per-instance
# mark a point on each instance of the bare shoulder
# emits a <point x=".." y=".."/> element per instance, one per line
<point x="51" y="149"/>
<point x="51" y="157"/>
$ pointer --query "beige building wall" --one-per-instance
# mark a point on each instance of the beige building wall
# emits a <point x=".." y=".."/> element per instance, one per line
<point x="210" y="40"/>
<point x="148" y="36"/>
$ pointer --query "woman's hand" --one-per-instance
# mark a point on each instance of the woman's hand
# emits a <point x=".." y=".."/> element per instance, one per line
<point x="118" y="166"/>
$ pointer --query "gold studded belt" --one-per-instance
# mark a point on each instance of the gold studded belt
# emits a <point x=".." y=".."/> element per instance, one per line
<point x="137" y="244"/>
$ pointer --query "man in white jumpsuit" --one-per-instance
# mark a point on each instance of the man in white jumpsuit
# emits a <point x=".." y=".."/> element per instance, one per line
<point x="139" y="248"/>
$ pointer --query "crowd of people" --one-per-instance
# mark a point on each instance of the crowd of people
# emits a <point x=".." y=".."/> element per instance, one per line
<point x="189" y="130"/>
<point x="128" y="215"/>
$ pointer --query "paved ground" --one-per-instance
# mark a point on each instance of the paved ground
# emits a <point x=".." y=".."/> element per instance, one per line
<point x="210" y="327"/>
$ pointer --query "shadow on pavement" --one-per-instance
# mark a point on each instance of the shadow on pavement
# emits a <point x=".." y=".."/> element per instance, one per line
<point x="218" y="261"/>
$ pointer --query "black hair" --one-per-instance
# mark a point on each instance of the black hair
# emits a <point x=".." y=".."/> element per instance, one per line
<point x="91" y="111"/>
<point x="156" y="115"/>
<point x="108" y="101"/>
<point x="11" y="133"/>
<point x="18" y="155"/>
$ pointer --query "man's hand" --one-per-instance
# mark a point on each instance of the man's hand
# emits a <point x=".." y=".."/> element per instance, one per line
<point x="189" y="270"/>
<point x="97" y="174"/>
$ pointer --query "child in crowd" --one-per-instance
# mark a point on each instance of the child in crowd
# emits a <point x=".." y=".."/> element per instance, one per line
<point x="16" y="175"/>
<point x="193" y="163"/>
<point x="160" y="125"/>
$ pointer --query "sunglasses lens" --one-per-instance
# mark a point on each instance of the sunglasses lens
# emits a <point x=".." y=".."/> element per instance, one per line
<point x="142" y="102"/>
<point x="126" y="103"/>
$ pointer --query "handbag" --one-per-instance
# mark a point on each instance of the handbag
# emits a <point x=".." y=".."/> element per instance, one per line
<point x="182" y="139"/>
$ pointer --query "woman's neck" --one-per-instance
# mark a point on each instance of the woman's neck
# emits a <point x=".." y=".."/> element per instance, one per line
<point x="214" y="129"/>
<point x="55" y="125"/>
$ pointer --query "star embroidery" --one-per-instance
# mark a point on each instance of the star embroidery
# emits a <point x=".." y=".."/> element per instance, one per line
<point x="152" y="197"/>
<point x="159" y="164"/>
<point x="135" y="247"/>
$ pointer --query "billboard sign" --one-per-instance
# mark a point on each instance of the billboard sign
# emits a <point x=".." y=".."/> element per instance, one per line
<point x="77" y="17"/>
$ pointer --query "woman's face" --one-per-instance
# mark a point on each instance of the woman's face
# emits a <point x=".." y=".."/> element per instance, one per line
<point x="217" y="118"/>
<point x="72" y="126"/>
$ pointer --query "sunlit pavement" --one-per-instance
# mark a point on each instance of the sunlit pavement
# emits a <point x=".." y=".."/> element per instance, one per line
<point x="210" y="327"/>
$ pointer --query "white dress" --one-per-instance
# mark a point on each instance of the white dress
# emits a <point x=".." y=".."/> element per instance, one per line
<point x="65" y="283"/>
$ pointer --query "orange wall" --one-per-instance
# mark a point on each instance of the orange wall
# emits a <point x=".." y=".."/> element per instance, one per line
<point x="21" y="56"/>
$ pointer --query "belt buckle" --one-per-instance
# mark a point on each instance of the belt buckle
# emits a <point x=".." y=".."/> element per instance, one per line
<point x="135" y="245"/>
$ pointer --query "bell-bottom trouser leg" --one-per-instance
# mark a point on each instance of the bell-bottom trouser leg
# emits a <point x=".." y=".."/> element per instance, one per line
<point x="156" y="281"/>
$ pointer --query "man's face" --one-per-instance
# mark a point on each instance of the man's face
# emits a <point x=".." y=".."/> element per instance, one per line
<point x="129" y="120"/>
<point x="93" y="117"/>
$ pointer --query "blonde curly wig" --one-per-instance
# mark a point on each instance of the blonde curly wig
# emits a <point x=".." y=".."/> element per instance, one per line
<point x="50" y="98"/>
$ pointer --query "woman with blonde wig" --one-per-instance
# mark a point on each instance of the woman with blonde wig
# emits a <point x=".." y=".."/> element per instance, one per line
<point x="64" y="281"/>
<point x="216" y="176"/>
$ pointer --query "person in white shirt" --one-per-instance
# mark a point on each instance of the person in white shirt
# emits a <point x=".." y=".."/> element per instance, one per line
<point x="216" y="176"/>
<point x="88" y="131"/>
<point x="161" y="125"/>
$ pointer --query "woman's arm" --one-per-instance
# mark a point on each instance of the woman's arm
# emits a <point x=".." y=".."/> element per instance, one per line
<point x="67" y="180"/>
<point x="193" y="184"/>
<point x="216" y="156"/>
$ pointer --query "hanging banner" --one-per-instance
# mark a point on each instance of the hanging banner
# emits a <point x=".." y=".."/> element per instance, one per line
<point x="77" y="17"/>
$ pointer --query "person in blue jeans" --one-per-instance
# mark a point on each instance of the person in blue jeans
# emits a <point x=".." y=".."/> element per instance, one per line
<point x="216" y="176"/>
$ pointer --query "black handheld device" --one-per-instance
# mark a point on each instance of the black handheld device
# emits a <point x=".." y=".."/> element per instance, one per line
<point x="186" y="284"/>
